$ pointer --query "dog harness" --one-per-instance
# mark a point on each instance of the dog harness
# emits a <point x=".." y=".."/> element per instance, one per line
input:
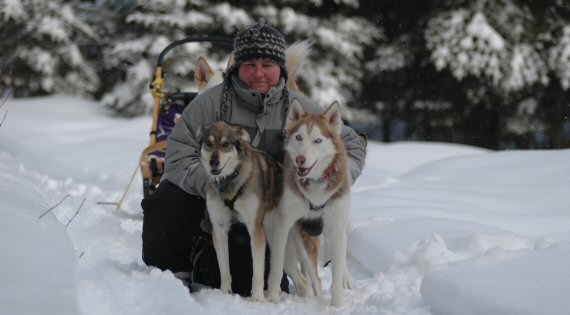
<point x="229" y="178"/>
<point x="315" y="226"/>
<point x="329" y="173"/>
<point x="229" y="202"/>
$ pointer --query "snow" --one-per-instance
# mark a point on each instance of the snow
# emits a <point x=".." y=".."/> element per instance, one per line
<point x="12" y="10"/>
<point x="479" y="28"/>
<point x="436" y="228"/>
<point x="514" y="273"/>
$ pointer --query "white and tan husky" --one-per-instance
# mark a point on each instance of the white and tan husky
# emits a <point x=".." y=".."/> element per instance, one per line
<point x="316" y="187"/>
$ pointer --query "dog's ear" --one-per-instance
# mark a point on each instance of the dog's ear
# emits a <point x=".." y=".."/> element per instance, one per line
<point x="243" y="135"/>
<point x="231" y="62"/>
<point x="242" y="139"/>
<point x="203" y="73"/>
<point x="333" y="116"/>
<point x="296" y="110"/>
<point x="199" y="134"/>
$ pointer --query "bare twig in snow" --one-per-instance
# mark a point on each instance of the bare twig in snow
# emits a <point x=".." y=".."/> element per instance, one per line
<point x="2" y="104"/>
<point x="6" y="98"/>
<point x="76" y="212"/>
<point x="5" y="114"/>
<point x="50" y="209"/>
<point x="107" y="203"/>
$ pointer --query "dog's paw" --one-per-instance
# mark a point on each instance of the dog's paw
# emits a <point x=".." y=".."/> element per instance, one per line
<point x="317" y="289"/>
<point x="274" y="297"/>
<point x="336" y="299"/>
<point x="347" y="282"/>
<point x="257" y="296"/>
<point x="302" y="285"/>
<point x="303" y="290"/>
<point x="226" y="288"/>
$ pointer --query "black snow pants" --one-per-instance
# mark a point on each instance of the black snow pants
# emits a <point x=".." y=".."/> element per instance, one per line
<point x="173" y="240"/>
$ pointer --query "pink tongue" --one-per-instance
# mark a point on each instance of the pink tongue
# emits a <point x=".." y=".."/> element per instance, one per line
<point x="302" y="171"/>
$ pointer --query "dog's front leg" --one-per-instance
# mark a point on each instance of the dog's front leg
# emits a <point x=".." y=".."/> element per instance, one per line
<point x="279" y="228"/>
<point x="258" y="244"/>
<point x="339" y="268"/>
<point x="252" y="214"/>
<point x="220" y="230"/>
<point x="347" y="282"/>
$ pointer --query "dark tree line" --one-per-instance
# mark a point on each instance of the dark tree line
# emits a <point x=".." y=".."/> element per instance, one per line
<point x="488" y="73"/>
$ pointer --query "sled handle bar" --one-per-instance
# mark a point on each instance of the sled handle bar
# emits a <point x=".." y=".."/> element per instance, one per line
<point x="220" y="40"/>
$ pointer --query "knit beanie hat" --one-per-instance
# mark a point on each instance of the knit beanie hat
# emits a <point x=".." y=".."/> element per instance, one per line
<point x="260" y="41"/>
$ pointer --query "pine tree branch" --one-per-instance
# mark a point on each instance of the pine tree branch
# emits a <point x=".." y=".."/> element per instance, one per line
<point x="50" y="209"/>
<point x="76" y="212"/>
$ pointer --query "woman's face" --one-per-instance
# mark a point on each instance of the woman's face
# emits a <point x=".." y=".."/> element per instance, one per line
<point x="259" y="75"/>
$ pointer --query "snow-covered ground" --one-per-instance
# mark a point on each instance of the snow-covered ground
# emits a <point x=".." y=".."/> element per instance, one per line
<point x="435" y="228"/>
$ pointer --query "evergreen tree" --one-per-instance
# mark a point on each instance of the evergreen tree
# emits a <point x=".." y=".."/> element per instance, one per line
<point x="334" y="71"/>
<point x="489" y="73"/>
<point x="468" y="71"/>
<point x="39" y="43"/>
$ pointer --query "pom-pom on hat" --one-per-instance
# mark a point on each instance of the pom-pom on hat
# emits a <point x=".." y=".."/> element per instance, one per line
<point x="260" y="41"/>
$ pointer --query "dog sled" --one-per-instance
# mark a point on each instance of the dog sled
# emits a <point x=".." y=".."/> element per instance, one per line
<point x="167" y="108"/>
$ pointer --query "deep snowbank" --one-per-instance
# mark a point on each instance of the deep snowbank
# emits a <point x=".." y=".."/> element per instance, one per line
<point x="38" y="262"/>
<point x="524" y="282"/>
<point x="435" y="228"/>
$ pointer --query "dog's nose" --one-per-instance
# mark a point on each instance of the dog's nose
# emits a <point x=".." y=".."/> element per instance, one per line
<point x="300" y="160"/>
<point x="214" y="163"/>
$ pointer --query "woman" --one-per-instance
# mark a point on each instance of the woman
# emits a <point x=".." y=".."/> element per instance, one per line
<point x="176" y="235"/>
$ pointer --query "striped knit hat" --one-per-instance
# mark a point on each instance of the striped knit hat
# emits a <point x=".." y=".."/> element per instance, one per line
<point x="260" y="41"/>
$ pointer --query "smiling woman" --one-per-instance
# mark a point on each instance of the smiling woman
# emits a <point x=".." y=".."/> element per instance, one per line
<point x="254" y="96"/>
<point x="260" y="75"/>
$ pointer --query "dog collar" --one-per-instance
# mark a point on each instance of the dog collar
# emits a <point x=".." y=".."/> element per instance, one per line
<point x="232" y="176"/>
<point x="328" y="174"/>
<point x="229" y="178"/>
<point x="316" y="208"/>
<point x="333" y="169"/>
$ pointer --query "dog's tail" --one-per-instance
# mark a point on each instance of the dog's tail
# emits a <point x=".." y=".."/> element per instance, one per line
<point x="296" y="54"/>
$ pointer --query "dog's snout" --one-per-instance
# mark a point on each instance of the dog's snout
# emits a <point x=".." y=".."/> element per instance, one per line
<point x="215" y="163"/>
<point x="300" y="160"/>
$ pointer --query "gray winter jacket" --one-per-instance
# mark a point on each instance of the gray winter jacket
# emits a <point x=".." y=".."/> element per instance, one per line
<point x="262" y="117"/>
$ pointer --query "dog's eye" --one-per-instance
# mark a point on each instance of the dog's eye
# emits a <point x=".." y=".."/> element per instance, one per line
<point x="298" y="138"/>
<point x="226" y="145"/>
<point x="208" y="143"/>
<point x="318" y="140"/>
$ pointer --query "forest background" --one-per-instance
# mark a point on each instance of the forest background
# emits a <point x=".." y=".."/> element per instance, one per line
<point x="493" y="74"/>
